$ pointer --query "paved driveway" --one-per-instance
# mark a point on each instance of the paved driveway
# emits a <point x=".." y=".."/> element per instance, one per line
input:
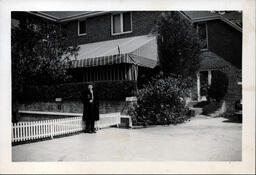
<point x="209" y="139"/>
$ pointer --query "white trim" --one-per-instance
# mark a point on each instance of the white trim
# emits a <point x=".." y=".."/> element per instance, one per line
<point x="198" y="86"/>
<point x="71" y="17"/>
<point x="45" y="16"/>
<point x="83" y="14"/>
<point x="218" y="18"/>
<point x="121" y="24"/>
<point x="121" y="33"/>
<point x="209" y="77"/>
<point x="209" y="18"/>
<point x="231" y="24"/>
<point x="78" y="28"/>
<point x="66" y="19"/>
<point x="239" y="83"/>
<point x="185" y="16"/>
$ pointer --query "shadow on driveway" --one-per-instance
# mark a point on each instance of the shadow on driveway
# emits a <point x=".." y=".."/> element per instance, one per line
<point x="233" y="119"/>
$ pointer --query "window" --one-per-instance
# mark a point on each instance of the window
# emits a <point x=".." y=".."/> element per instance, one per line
<point x="116" y="24"/>
<point x="202" y="31"/>
<point x="121" y="23"/>
<point x="127" y="22"/>
<point x="81" y="27"/>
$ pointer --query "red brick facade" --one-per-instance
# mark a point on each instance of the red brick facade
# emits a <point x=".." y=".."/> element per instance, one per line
<point x="211" y="61"/>
<point x="99" y="27"/>
<point x="225" y="54"/>
<point x="225" y="41"/>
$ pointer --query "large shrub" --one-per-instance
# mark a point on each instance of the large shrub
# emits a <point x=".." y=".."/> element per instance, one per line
<point x="161" y="101"/>
<point x="219" y="86"/>
<point x="178" y="44"/>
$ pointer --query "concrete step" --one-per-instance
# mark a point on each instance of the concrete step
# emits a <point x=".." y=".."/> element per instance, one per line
<point x="197" y="111"/>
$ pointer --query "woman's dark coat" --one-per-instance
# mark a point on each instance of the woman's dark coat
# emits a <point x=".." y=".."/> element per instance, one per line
<point x="91" y="110"/>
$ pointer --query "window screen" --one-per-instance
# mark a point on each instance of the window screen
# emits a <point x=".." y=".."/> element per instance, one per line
<point x="116" y="24"/>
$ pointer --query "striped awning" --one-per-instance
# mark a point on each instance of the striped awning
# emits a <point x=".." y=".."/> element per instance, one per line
<point x="139" y="50"/>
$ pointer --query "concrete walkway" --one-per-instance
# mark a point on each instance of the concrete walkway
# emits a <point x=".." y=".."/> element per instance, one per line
<point x="202" y="138"/>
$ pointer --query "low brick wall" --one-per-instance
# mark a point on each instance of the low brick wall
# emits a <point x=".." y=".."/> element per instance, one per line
<point x="71" y="106"/>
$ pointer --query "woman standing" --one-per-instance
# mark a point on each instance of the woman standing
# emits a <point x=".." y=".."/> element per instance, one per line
<point x="91" y="108"/>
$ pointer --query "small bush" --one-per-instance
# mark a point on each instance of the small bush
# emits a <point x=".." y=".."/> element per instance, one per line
<point x="161" y="102"/>
<point x="219" y="86"/>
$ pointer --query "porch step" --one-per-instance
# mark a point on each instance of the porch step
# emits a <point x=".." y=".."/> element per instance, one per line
<point x="190" y="104"/>
<point x="197" y="111"/>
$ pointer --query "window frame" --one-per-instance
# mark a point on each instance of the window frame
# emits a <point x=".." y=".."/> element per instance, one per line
<point x="206" y="31"/>
<point x="78" y="28"/>
<point x="121" y="24"/>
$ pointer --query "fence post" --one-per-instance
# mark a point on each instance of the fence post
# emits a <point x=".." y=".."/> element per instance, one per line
<point x="51" y="128"/>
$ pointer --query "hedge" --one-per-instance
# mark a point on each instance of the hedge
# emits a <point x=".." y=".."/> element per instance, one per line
<point x="107" y="90"/>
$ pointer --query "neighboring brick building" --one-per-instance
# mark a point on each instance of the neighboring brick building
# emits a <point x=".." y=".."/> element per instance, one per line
<point x="223" y="50"/>
<point x="116" y="46"/>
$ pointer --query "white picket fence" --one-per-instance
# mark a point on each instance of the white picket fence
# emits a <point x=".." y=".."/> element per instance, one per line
<point x="23" y="131"/>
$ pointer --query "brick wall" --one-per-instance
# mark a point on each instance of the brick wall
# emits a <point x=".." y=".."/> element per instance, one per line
<point x="71" y="106"/>
<point x="225" y="54"/>
<point x="210" y="60"/>
<point x="225" y="41"/>
<point x="99" y="27"/>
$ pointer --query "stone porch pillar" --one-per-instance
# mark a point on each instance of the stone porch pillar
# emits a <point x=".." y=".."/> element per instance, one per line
<point x="209" y="77"/>
<point x="198" y="86"/>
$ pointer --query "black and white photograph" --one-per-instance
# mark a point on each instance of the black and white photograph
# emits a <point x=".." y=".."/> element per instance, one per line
<point x="127" y="85"/>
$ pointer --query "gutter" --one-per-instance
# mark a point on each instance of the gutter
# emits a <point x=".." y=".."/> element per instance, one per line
<point x="217" y="17"/>
<point x="69" y="18"/>
<point x="49" y="17"/>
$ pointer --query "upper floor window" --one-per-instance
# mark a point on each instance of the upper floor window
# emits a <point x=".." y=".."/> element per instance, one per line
<point x="121" y="23"/>
<point x="82" y="27"/>
<point x="203" y="35"/>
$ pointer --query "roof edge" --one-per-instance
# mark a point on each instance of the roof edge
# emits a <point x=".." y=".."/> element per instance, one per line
<point x="97" y="13"/>
<point x="85" y="15"/>
<point x="43" y="15"/>
<point x="68" y="18"/>
<point x="216" y="17"/>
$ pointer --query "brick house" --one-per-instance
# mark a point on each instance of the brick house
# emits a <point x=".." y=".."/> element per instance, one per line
<point x="113" y="45"/>
<point x="116" y="46"/>
<point x="222" y="50"/>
